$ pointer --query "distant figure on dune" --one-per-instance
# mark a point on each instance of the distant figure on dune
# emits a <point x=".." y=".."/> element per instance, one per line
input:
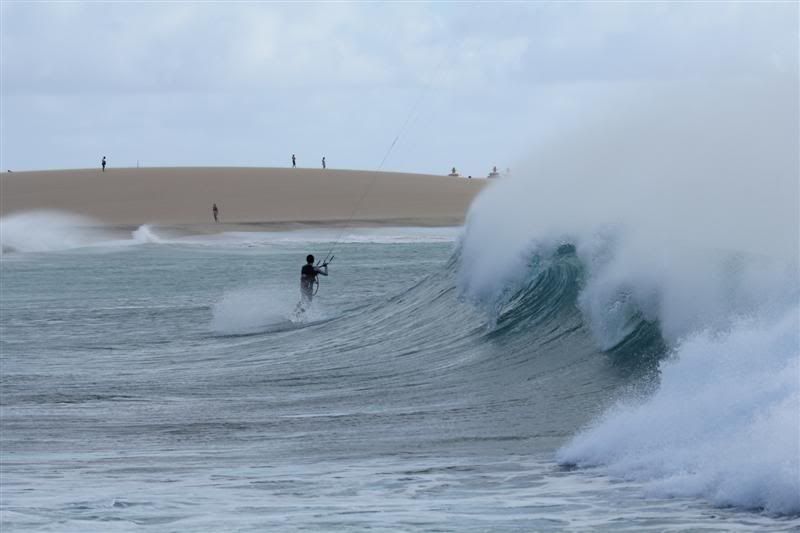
<point x="294" y="161"/>
<point x="323" y="163"/>
<point x="215" y="211"/>
<point x="103" y="162"/>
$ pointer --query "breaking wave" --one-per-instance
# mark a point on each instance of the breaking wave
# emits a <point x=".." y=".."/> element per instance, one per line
<point x="678" y="228"/>
<point x="47" y="231"/>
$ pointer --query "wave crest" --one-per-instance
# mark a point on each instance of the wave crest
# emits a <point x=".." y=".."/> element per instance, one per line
<point x="722" y="425"/>
<point x="682" y="210"/>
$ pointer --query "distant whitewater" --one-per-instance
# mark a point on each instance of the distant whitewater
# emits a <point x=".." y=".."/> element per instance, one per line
<point x="45" y="231"/>
<point x="49" y="231"/>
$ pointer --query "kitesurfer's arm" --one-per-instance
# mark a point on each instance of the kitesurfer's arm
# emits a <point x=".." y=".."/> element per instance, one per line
<point x="322" y="270"/>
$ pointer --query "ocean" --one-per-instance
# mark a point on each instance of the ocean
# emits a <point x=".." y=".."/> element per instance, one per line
<point x="158" y="383"/>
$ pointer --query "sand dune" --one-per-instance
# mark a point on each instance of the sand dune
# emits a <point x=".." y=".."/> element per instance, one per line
<point x="245" y="196"/>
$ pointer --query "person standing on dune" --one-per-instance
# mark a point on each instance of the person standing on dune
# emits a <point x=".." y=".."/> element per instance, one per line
<point x="103" y="162"/>
<point x="215" y="211"/>
<point x="294" y="161"/>
<point x="323" y="163"/>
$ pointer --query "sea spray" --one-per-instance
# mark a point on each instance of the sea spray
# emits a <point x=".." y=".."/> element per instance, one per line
<point x="52" y="231"/>
<point x="250" y="310"/>
<point x="681" y="204"/>
<point x="723" y="424"/>
<point x="145" y="234"/>
<point x="666" y="168"/>
<point x="48" y="231"/>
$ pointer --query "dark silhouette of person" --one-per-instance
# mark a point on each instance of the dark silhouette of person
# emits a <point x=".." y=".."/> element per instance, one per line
<point x="323" y="163"/>
<point x="294" y="161"/>
<point x="215" y="210"/>
<point x="103" y="162"/>
<point x="308" y="277"/>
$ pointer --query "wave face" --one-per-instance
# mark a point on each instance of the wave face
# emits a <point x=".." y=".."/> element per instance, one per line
<point x="719" y="419"/>
<point x="683" y="217"/>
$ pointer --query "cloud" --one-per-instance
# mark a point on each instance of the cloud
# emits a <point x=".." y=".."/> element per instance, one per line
<point x="251" y="81"/>
<point x="180" y="47"/>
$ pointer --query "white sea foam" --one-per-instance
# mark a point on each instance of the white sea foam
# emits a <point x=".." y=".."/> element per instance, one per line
<point x="682" y="202"/>
<point x="47" y="231"/>
<point x="723" y="425"/>
<point x="393" y="235"/>
<point x="665" y="177"/>
<point x="682" y="206"/>
<point x="249" y="310"/>
<point x="53" y="231"/>
<point x="145" y="234"/>
<point x="257" y="309"/>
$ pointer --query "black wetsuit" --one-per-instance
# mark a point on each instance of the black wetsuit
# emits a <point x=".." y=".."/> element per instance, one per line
<point x="308" y="275"/>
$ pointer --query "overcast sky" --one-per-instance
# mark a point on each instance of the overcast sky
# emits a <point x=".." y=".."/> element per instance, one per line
<point x="470" y="85"/>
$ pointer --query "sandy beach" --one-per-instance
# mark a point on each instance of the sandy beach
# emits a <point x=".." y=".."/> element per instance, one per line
<point x="246" y="197"/>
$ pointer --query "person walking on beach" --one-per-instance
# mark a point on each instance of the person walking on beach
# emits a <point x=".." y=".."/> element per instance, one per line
<point x="103" y="162"/>
<point x="294" y="161"/>
<point x="323" y="163"/>
<point x="215" y="211"/>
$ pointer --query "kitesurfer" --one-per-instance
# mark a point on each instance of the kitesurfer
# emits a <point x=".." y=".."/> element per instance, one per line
<point x="308" y="277"/>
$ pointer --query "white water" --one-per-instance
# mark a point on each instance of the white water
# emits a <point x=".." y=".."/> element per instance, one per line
<point x="47" y="231"/>
<point x="387" y="235"/>
<point x="145" y="234"/>
<point x="682" y="205"/>
<point x="50" y="231"/>
<point x="664" y="170"/>
<point x="259" y="309"/>
<point x="723" y="424"/>
<point x="54" y="231"/>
